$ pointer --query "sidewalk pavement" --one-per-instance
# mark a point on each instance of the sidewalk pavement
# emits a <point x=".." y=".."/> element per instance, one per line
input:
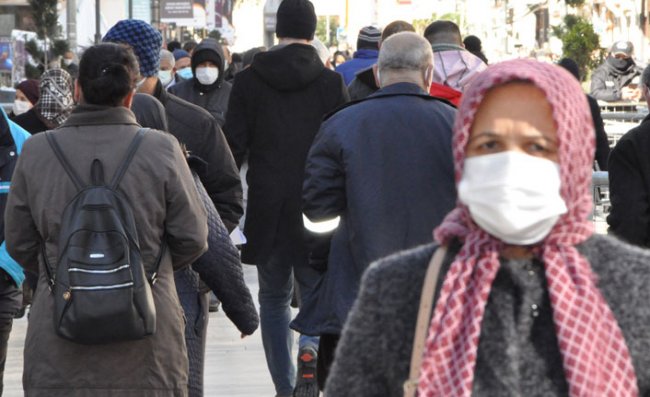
<point x="233" y="367"/>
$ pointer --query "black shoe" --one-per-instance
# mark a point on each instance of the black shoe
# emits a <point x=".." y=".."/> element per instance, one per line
<point x="306" y="383"/>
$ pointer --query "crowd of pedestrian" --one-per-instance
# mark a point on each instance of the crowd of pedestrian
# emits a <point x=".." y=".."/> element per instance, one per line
<point x="426" y="213"/>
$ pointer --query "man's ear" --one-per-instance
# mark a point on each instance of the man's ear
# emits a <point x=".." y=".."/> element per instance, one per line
<point x="375" y="72"/>
<point x="128" y="99"/>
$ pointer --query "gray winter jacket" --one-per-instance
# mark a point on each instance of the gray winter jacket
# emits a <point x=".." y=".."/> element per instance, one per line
<point x="517" y="353"/>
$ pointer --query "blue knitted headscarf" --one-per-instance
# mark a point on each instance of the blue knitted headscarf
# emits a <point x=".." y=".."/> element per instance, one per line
<point x="143" y="38"/>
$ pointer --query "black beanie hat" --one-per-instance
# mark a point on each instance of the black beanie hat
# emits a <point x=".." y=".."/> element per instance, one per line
<point x="296" y="19"/>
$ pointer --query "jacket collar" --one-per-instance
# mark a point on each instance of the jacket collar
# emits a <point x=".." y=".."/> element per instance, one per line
<point x="98" y="115"/>
<point x="400" y="88"/>
<point x="366" y="53"/>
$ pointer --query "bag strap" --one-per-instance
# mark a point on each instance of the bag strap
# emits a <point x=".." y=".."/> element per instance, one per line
<point x="424" y="320"/>
<point x="126" y="161"/>
<point x="62" y="159"/>
<point x="163" y="247"/>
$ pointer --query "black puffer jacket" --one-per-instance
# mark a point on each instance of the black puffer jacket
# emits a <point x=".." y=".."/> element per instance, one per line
<point x="221" y="270"/>
<point x="200" y="133"/>
<point x="214" y="97"/>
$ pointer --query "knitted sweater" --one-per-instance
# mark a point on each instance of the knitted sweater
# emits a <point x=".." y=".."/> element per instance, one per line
<point x="518" y="353"/>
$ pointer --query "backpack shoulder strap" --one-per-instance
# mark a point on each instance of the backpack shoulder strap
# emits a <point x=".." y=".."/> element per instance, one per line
<point x="135" y="143"/>
<point x="64" y="162"/>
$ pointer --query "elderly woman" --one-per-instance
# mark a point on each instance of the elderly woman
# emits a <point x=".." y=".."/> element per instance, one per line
<point x="54" y="104"/>
<point x="529" y="301"/>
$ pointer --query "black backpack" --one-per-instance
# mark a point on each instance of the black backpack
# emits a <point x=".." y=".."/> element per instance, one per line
<point x="101" y="291"/>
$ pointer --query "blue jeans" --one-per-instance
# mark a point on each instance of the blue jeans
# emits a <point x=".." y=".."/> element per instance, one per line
<point x="276" y="290"/>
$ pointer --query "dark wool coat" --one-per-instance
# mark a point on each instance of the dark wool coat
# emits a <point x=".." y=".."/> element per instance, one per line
<point x="629" y="186"/>
<point x="518" y="354"/>
<point x="384" y="165"/>
<point x="30" y="121"/>
<point x="195" y="128"/>
<point x="213" y="98"/>
<point x="161" y="191"/>
<point x="276" y="107"/>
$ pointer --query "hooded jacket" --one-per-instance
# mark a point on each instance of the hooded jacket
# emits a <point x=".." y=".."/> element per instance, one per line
<point x="608" y="81"/>
<point x="454" y="66"/>
<point x="214" y="97"/>
<point x="275" y="110"/>
<point x="201" y="135"/>
<point x="362" y="59"/>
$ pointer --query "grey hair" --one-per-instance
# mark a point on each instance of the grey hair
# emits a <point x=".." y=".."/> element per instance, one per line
<point x="645" y="77"/>
<point x="168" y="56"/>
<point x="405" y="51"/>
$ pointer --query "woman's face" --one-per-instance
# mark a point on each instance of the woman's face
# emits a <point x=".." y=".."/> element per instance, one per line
<point x="514" y="117"/>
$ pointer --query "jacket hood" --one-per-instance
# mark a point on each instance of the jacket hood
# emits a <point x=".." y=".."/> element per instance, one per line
<point x="209" y="50"/>
<point x="288" y="68"/>
<point x="456" y="68"/>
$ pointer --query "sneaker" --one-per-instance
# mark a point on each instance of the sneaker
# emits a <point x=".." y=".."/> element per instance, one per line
<point x="214" y="303"/>
<point x="306" y="383"/>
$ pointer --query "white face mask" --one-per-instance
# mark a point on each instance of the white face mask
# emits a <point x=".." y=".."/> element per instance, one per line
<point x="67" y="62"/>
<point x="207" y="75"/>
<point x="513" y="196"/>
<point x="165" y="77"/>
<point x="21" y="107"/>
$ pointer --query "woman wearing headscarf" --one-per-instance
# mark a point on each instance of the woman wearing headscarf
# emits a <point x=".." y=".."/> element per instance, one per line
<point x="54" y="104"/>
<point x="529" y="302"/>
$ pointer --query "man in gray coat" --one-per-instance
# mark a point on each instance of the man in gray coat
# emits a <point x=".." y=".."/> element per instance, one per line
<point x="374" y="170"/>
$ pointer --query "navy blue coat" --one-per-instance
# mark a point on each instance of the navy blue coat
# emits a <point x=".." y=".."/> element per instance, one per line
<point x="385" y="166"/>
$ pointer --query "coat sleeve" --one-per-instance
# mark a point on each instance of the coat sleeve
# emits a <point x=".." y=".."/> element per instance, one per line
<point x="237" y="127"/>
<point x="324" y="185"/>
<point x="221" y="177"/>
<point x="602" y="144"/>
<point x="21" y="235"/>
<point x="360" y="368"/>
<point x="599" y="89"/>
<point x="629" y="218"/>
<point x="186" y="224"/>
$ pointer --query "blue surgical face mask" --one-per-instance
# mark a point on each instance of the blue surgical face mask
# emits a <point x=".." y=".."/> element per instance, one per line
<point x="185" y="73"/>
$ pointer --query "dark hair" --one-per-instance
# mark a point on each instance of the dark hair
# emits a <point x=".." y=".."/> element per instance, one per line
<point x="173" y="45"/>
<point x="107" y="73"/>
<point x="472" y="43"/>
<point x="189" y="45"/>
<point x="443" y="32"/>
<point x="571" y="66"/>
<point x="396" y="27"/>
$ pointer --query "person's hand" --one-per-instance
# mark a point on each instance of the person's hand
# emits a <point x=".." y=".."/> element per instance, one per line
<point x="631" y="94"/>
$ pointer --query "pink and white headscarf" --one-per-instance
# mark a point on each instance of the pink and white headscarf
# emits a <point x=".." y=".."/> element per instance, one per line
<point x="595" y="357"/>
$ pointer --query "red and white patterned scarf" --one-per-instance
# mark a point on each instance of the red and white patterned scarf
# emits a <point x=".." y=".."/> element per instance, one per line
<point x="595" y="357"/>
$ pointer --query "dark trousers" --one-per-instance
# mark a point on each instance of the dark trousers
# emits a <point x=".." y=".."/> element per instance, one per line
<point x="326" y="349"/>
<point x="195" y="307"/>
<point x="10" y="303"/>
